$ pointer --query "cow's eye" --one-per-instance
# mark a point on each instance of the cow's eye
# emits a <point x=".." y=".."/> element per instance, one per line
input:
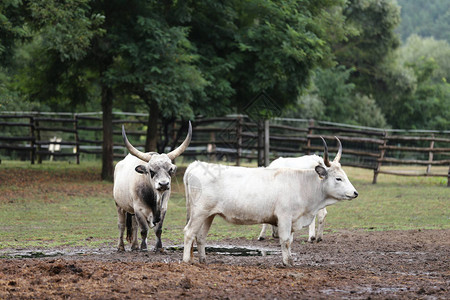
<point x="338" y="179"/>
<point x="152" y="173"/>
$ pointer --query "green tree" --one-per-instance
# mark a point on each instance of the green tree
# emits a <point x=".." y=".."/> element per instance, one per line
<point x="156" y="62"/>
<point x="427" y="62"/>
<point x="12" y="28"/>
<point x="425" y="18"/>
<point x="371" y="43"/>
<point x="332" y="97"/>
<point x="247" y="47"/>
<point x="71" y="47"/>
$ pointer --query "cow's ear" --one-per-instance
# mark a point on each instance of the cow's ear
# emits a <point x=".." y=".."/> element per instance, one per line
<point x="141" y="169"/>
<point x="173" y="170"/>
<point x="321" y="171"/>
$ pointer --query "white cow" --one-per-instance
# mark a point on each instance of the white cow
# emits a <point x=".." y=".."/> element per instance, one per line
<point x="289" y="198"/>
<point x="302" y="162"/>
<point x="142" y="188"/>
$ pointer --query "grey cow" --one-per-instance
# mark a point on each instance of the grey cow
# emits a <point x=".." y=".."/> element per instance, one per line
<point x="142" y="190"/>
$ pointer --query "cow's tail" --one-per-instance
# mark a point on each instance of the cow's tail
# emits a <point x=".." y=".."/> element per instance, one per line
<point x="129" y="222"/>
<point x="187" y="192"/>
<point x="188" y="208"/>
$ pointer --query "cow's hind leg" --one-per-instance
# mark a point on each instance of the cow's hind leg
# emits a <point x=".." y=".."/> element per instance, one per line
<point x="312" y="231"/>
<point x="143" y="225"/>
<point x="191" y="231"/>
<point x="321" y="220"/>
<point x="201" y="239"/>
<point x="158" y="232"/>
<point x="121" y="224"/>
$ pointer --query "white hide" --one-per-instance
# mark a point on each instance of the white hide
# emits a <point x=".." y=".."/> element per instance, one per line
<point x="287" y="197"/>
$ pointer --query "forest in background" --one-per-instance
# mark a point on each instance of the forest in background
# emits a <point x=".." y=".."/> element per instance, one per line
<point x="425" y="18"/>
<point x="376" y="63"/>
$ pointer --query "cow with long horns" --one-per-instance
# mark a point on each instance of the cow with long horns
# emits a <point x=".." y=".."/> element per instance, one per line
<point x="289" y="198"/>
<point x="142" y="190"/>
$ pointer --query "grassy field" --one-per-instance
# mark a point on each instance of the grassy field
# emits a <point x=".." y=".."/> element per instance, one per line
<point x="62" y="204"/>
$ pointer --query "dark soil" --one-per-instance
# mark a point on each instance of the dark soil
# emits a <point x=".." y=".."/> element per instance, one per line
<point x="347" y="265"/>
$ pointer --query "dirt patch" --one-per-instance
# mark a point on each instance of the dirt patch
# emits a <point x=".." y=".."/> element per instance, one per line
<point x="355" y="265"/>
<point x="50" y="185"/>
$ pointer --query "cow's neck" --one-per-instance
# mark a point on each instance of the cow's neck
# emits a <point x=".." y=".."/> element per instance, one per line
<point x="324" y="200"/>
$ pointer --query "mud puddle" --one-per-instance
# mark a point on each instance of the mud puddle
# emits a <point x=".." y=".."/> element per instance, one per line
<point x="226" y="250"/>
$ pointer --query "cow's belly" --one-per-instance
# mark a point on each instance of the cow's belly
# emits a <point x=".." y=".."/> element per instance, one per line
<point x="248" y="214"/>
<point x="249" y="220"/>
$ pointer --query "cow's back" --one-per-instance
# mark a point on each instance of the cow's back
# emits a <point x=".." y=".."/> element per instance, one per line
<point x="302" y="162"/>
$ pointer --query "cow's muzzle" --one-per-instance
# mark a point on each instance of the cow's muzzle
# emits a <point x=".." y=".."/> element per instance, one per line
<point x="163" y="186"/>
<point x="350" y="197"/>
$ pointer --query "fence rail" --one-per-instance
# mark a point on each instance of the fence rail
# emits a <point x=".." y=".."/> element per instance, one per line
<point x="36" y="136"/>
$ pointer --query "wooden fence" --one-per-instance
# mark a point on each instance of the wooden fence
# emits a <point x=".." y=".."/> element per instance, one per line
<point x="234" y="139"/>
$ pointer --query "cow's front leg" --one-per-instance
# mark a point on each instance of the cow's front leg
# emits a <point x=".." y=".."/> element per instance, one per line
<point x="121" y="221"/>
<point x="158" y="232"/>
<point x="262" y="234"/>
<point x="143" y="225"/>
<point x="286" y="239"/>
<point x="321" y="220"/>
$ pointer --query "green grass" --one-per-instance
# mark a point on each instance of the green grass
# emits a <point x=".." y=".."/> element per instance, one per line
<point x="79" y="211"/>
<point x="73" y="221"/>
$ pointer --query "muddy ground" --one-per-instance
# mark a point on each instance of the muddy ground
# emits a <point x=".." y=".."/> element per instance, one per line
<point x="347" y="265"/>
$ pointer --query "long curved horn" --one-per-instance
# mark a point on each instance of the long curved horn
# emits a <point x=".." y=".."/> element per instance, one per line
<point x="338" y="155"/>
<point x="141" y="155"/>
<point x="175" y="153"/>
<point x="325" y="153"/>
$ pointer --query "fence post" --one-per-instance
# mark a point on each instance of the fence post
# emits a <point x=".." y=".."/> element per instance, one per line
<point x="38" y="139"/>
<point x="239" y="140"/>
<point x="430" y="154"/>
<point x="77" y="139"/>
<point x="33" y="141"/>
<point x="448" y="177"/>
<point x="382" y="152"/>
<point x="266" y="143"/>
<point x="260" y="143"/>
<point x="308" y="139"/>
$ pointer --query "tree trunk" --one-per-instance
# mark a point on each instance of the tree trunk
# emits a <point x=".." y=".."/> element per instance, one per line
<point x="107" y="149"/>
<point x="152" y="127"/>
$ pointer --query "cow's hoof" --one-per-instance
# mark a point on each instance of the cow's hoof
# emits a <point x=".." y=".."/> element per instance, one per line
<point x="202" y="260"/>
<point x="159" y="250"/>
<point x="261" y="238"/>
<point x="319" y="239"/>
<point x="311" y="239"/>
<point x="289" y="263"/>
<point x="121" y="250"/>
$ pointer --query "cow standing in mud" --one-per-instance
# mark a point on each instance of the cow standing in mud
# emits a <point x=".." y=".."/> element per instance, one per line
<point x="302" y="162"/>
<point x="142" y="190"/>
<point x="289" y="198"/>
